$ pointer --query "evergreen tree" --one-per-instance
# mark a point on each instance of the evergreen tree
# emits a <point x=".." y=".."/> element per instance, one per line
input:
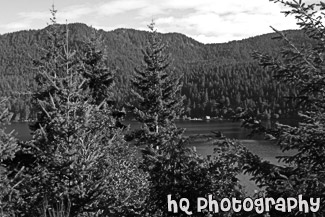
<point x="302" y="67"/>
<point x="157" y="98"/>
<point x="8" y="149"/>
<point x="100" y="79"/>
<point x="82" y="163"/>
<point x="174" y="169"/>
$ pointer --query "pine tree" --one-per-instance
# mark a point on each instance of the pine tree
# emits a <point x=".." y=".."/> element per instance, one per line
<point x="303" y="68"/>
<point x="8" y="149"/>
<point x="82" y="163"/>
<point x="173" y="167"/>
<point x="157" y="98"/>
<point x="100" y="78"/>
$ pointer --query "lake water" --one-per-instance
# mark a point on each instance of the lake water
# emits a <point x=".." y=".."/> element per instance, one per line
<point x="228" y="128"/>
<point x="265" y="149"/>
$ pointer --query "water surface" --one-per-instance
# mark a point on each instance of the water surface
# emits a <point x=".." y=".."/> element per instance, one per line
<point x="265" y="149"/>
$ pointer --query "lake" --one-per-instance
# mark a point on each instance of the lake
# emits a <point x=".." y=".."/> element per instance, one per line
<point x="229" y="128"/>
<point x="265" y="149"/>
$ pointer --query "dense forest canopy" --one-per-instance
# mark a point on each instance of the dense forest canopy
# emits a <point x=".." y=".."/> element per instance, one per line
<point x="217" y="78"/>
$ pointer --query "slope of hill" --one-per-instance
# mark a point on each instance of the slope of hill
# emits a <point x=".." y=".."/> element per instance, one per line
<point x="215" y="75"/>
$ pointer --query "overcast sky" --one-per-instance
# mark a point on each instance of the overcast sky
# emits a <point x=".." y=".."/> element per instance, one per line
<point x="208" y="21"/>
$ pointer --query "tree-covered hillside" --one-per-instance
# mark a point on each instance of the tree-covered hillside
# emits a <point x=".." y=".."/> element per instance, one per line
<point x="215" y="76"/>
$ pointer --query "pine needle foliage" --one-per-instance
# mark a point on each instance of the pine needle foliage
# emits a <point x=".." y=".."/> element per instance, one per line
<point x="100" y="78"/>
<point x="173" y="167"/>
<point x="157" y="100"/>
<point x="8" y="149"/>
<point x="303" y="67"/>
<point x="82" y="162"/>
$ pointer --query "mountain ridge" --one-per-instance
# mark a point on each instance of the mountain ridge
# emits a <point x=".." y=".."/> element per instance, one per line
<point x="206" y="68"/>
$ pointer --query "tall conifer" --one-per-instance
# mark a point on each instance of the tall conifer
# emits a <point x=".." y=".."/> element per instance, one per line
<point x="157" y="97"/>
<point x="100" y="78"/>
<point x="302" y="67"/>
<point x="82" y="163"/>
<point x="173" y="168"/>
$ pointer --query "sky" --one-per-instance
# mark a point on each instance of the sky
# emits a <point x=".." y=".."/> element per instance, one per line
<point x="207" y="21"/>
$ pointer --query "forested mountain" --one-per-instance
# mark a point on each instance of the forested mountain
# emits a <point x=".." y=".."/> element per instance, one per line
<point x="217" y="78"/>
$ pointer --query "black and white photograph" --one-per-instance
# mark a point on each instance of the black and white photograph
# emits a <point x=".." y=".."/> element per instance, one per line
<point x="148" y="108"/>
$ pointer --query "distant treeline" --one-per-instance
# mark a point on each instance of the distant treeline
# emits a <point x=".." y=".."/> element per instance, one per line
<point x="218" y="79"/>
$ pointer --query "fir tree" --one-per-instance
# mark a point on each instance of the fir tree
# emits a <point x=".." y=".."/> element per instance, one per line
<point x="8" y="149"/>
<point x="303" y="68"/>
<point x="82" y="163"/>
<point x="100" y="79"/>
<point x="173" y="168"/>
<point x="157" y="98"/>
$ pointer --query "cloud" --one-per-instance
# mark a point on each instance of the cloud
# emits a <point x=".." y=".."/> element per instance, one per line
<point x="76" y="12"/>
<point x="121" y="6"/>
<point x="34" y="15"/>
<point x="14" y="26"/>
<point x="210" y="39"/>
<point x="221" y="21"/>
<point x="72" y="13"/>
<point x="205" y="20"/>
